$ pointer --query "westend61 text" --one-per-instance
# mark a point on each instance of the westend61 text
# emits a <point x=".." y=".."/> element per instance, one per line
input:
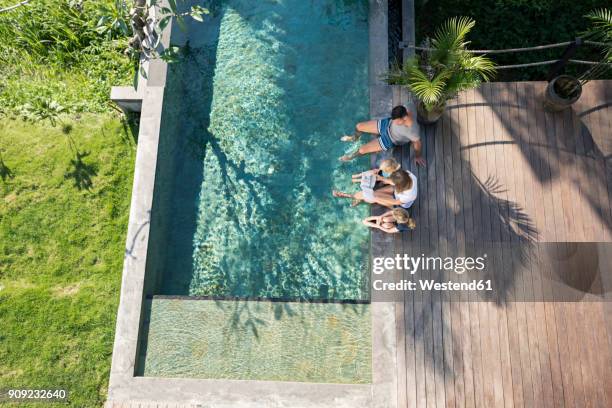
<point x="431" y="285"/>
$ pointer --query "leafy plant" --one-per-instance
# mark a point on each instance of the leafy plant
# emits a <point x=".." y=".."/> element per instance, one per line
<point x="42" y="109"/>
<point x="147" y="28"/>
<point x="55" y="31"/>
<point x="113" y="21"/>
<point x="600" y="30"/>
<point x="445" y="68"/>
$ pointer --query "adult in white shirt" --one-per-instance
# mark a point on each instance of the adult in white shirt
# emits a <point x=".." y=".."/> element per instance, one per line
<point x="401" y="190"/>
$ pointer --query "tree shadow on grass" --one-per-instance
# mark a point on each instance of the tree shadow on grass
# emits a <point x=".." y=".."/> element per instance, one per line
<point x="81" y="172"/>
<point x="5" y="172"/>
<point x="130" y="125"/>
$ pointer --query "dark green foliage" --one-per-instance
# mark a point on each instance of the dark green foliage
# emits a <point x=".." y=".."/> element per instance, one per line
<point x="516" y="23"/>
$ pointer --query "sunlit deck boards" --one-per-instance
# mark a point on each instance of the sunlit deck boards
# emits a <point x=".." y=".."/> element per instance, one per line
<point x="503" y="172"/>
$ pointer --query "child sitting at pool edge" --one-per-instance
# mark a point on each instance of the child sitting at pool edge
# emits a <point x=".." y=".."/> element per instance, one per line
<point x="392" y="222"/>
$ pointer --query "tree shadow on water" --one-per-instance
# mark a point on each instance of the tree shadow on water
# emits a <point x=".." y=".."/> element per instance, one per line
<point x="244" y="314"/>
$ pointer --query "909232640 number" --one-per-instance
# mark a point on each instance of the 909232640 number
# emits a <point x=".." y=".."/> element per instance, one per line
<point x="28" y="394"/>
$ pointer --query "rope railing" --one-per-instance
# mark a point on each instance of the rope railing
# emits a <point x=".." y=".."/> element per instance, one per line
<point x="508" y="50"/>
<point x="404" y="45"/>
<point x="531" y="64"/>
<point x="549" y="62"/>
<point x="558" y="64"/>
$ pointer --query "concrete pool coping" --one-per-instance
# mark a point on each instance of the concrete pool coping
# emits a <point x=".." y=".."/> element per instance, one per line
<point x="126" y="388"/>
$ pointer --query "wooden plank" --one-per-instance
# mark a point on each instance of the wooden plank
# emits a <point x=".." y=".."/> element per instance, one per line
<point x="457" y="307"/>
<point x="552" y="121"/>
<point x="400" y="323"/>
<point x="446" y="240"/>
<point x="605" y="315"/>
<point x="437" y="317"/>
<point x="534" y="206"/>
<point x="500" y="171"/>
<point x="585" y="166"/>
<point x="490" y="342"/>
<point x="466" y="239"/>
<point x="583" y="313"/>
<point x="530" y="362"/>
<point x="475" y="121"/>
<point x="576" y="355"/>
<point x="571" y="377"/>
<point x="408" y="29"/>
<point x="433" y="145"/>
<point x="547" y="215"/>
<point x="497" y="262"/>
<point x="476" y="116"/>
<point x="471" y="320"/>
<point x="607" y="148"/>
<point x="598" y="349"/>
<point x="563" y="158"/>
<point x="410" y="244"/>
<point x="485" y="396"/>
<point x="512" y="269"/>
<point x="513" y="387"/>
<point x="421" y="308"/>
<point x="597" y="124"/>
<point x="444" y="366"/>
<point x="424" y="314"/>
<point x="525" y="197"/>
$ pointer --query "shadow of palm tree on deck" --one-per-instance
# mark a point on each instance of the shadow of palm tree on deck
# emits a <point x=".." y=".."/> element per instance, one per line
<point x="474" y="212"/>
<point x="565" y="140"/>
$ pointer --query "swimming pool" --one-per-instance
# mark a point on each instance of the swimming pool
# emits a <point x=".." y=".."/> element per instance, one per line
<point x="242" y="208"/>
<point x="249" y="144"/>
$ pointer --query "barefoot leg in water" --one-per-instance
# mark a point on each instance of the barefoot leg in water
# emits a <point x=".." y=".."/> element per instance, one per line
<point x="340" y="194"/>
<point x="371" y="147"/>
<point x="370" y="126"/>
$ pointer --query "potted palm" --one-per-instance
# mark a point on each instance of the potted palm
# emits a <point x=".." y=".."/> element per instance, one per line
<point x="445" y="68"/>
<point x="564" y="90"/>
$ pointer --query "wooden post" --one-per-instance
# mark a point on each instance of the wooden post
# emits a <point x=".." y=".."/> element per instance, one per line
<point x="408" y="29"/>
<point x="558" y="67"/>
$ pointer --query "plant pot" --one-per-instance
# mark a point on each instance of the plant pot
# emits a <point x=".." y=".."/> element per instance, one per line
<point x="425" y="117"/>
<point x="555" y="99"/>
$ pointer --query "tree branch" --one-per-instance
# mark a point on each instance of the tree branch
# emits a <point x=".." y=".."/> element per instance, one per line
<point x="23" y="3"/>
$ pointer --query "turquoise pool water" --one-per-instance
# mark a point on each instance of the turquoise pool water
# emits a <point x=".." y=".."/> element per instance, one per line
<point x="252" y="118"/>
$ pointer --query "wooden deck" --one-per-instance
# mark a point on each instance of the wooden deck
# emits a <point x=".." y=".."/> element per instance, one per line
<point x="503" y="172"/>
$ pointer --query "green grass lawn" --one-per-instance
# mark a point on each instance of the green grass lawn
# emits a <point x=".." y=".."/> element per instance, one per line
<point x="63" y="221"/>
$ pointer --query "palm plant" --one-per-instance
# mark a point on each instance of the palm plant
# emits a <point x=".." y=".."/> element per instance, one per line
<point x="601" y="30"/>
<point x="565" y="90"/>
<point x="445" y="68"/>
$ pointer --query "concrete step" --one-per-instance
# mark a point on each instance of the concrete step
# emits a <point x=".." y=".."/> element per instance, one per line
<point x="147" y="404"/>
